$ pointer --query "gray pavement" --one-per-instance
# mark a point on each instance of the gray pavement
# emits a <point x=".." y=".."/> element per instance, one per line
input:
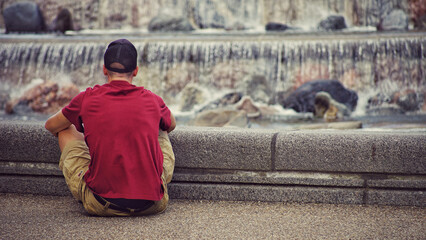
<point x="52" y="217"/>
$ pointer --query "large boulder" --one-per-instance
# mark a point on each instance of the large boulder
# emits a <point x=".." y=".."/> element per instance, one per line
<point x="395" y="20"/>
<point x="332" y="23"/>
<point x="62" y="22"/>
<point x="303" y="98"/>
<point x="47" y="97"/>
<point x="166" y="21"/>
<point x="23" y="17"/>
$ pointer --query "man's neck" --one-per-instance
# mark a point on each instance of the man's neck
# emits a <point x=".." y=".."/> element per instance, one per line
<point x="129" y="80"/>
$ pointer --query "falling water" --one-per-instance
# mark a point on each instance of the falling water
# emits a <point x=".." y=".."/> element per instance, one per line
<point x="385" y="63"/>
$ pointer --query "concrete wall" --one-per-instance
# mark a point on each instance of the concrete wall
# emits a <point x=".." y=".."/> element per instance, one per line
<point x="320" y="166"/>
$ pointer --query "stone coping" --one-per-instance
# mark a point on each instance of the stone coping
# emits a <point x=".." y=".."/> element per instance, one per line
<point x="327" y="166"/>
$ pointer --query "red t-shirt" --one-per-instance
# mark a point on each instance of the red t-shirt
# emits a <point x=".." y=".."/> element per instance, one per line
<point x="120" y="123"/>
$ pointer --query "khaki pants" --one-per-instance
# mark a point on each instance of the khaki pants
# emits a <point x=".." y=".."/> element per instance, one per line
<point x="74" y="163"/>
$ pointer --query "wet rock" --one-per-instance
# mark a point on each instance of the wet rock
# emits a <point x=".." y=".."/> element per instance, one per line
<point x="23" y="17"/>
<point x="398" y="102"/>
<point x="192" y="95"/>
<point x="328" y="108"/>
<point x="224" y="101"/>
<point x="221" y="118"/>
<point x="303" y="98"/>
<point x="407" y="100"/>
<point x="247" y="105"/>
<point x="332" y="23"/>
<point x="62" y="22"/>
<point x="43" y="98"/>
<point x="273" y="26"/>
<point x="167" y="21"/>
<point x="395" y="20"/>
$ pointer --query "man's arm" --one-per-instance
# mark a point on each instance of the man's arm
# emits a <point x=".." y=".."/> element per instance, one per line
<point x="57" y="123"/>
<point x="173" y="123"/>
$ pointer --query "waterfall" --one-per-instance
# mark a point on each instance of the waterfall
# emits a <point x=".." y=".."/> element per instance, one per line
<point x="223" y="63"/>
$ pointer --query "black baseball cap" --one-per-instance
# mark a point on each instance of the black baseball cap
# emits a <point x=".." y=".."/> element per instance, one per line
<point x="121" y="51"/>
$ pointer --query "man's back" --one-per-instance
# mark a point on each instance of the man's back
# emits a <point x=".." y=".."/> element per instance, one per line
<point x="121" y="124"/>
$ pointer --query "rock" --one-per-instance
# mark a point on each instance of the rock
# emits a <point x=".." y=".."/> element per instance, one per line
<point x="227" y="100"/>
<point x="398" y="102"/>
<point x="221" y="118"/>
<point x="407" y="100"/>
<point x="43" y="98"/>
<point x="328" y="108"/>
<point x="246" y="104"/>
<point x="332" y="23"/>
<point x="62" y="22"/>
<point x="166" y="21"/>
<point x="192" y="95"/>
<point x="272" y="26"/>
<point x="395" y="20"/>
<point x="303" y="98"/>
<point x="23" y="17"/>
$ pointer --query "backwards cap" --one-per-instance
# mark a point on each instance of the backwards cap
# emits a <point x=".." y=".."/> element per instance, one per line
<point x="121" y="51"/>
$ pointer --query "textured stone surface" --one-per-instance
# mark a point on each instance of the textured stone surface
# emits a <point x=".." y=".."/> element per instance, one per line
<point x="269" y="178"/>
<point x="30" y="168"/>
<point x="222" y="148"/>
<point x="27" y="142"/>
<point x="51" y="217"/>
<point x="409" y="182"/>
<point x="397" y="197"/>
<point x="34" y="185"/>
<point x="266" y="193"/>
<point x="350" y="151"/>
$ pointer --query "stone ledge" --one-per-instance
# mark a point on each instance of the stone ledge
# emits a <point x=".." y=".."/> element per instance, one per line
<point x="332" y="166"/>
<point x="282" y="178"/>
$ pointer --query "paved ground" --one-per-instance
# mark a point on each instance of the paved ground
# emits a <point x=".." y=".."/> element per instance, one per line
<point x="49" y="217"/>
